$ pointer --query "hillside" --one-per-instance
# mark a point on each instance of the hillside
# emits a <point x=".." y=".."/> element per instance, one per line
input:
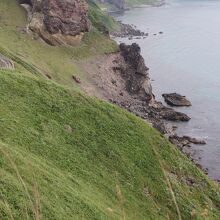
<point x="65" y="155"/>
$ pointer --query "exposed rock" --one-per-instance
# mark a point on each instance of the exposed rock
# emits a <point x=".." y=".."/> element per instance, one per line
<point x="163" y="128"/>
<point x="58" y="21"/>
<point x="123" y="79"/>
<point x="48" y="76"/>
<point x="171" y="115"/>
<point x="168" y="113"/>
<point x="6" y="63"/>
<point x="76" y="79"/>
<point x="185" y="141"/>
<point x="68" y="128"/>
<point x="136" y="72"/>
<point x="175" y="99"/>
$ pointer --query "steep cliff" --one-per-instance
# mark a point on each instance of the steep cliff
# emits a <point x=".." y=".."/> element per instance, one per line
<point x="58" y="21"/>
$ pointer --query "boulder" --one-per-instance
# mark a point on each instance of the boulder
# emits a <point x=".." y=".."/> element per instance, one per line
<point x="167" y="113"/>
<point x="172" y="115"/>
<point x="185" y="140"/>
<point x="175" y="99"/>
<point x="58" y="21"/>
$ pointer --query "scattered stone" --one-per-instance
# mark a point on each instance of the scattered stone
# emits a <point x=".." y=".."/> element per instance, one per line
<point x="172" y="115"/>
<point x="116" y="68"/>
<point x="190" y="181"/>
<point x="48" y="76"/>
<point x="114" y="82"/>
<point x="194" y="140"/>
<point x="68" y="128"/>
<point x="162" y="127"/>
<point x="146" y="192"/>
<point x="6" y="63"/>
<point x="161" y="32"/>
<point x="185" y="140"/>
<point x="175" y="99"/>
<point x="76" y="79"/>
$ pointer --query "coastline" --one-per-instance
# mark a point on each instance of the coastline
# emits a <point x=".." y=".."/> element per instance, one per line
<point x="184" y="142"/>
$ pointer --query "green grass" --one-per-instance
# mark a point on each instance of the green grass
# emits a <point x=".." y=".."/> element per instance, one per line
<point x="67" y="156"/>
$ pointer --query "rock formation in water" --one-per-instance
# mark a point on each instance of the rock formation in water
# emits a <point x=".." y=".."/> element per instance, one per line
<point x="58" y="21"/>
<point x="175" y="99"/>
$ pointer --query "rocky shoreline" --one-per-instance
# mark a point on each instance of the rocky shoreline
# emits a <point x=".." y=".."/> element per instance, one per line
<point x="150" y="109"/>
<point x="122" y="78"/>
<point x="131" y="89"/>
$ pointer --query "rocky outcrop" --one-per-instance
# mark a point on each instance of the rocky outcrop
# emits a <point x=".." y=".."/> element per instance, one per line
<point x="185" y="141"/>
<point x="122" y="78"/>
<point x="6" y="63"/>
<point x="175" y="99"/>
<point x="58" y="21"/>
<point x="172" y="115"/>
<point x="136" y="72"/>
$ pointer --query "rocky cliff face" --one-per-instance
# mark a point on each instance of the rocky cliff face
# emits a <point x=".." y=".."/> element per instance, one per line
<point x="136" y="72"/>
<point x="58" y="21"/>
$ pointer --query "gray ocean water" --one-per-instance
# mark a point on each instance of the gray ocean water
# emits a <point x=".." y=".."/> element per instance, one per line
<point x="186" y="59"/>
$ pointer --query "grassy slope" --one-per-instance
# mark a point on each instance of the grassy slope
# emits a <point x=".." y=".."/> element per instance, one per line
<point x="78" y="158"/>
<point x="67" y="156"/>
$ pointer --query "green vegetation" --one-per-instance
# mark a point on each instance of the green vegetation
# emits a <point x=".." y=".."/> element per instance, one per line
<point x="67" y="156"/>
